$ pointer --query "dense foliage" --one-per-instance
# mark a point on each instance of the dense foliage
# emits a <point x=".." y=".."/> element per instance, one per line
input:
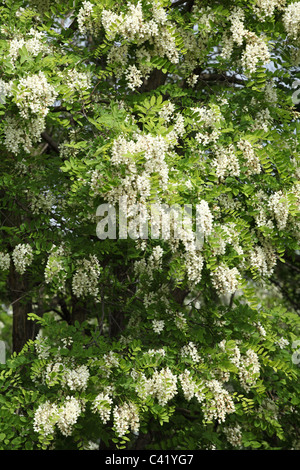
<point x="157" y="342"/>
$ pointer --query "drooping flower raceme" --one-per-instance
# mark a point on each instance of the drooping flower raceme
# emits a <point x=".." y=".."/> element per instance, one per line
<point x="85" y="279"/>
<point x="4" y="261"/>
<point x="22" y="256"/>
<point x="102" y="405"/>
<point x="126" y="416"/>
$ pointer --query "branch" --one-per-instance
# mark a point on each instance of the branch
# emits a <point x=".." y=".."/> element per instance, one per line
<point x="217" y="77"/>
<point x="50" y="141"/>
<point x="179" y="2"/>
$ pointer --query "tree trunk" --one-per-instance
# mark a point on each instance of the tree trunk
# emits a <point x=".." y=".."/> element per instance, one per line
<point x="23" y="329"/>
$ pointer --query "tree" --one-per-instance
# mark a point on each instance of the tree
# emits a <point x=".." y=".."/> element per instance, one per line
<point x="174" y="340"/>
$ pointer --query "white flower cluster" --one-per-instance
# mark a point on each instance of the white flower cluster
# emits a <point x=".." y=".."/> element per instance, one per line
<point x="282" y="343"/>
<point x="267" y="8"/>
<point x="237" y="27"/>
<point x="252" y="161"/>
<point x="111" y="360"/>
<point x="22" y="134"/>
<point x="34" y="95"/>
<point x="75" y="378"/>
<point x="248" y="365"/>
<point x="263" y="259"/>
<point x="68" y="415"/>
<point x="22" y="256"/>
<point x="42" y="347"/>
<point x="271" y="92"/>
<point x="190" y="387"/>
<point x="190" y="351"/>
<point x="153" y="352"/>
<point x="234" y="435"/>
<point x="133" y="26"/>
<point x="5" y="89"/>
<point x="84" y="19"/>
<point x="220" y="405"/>
<point x="194" y="262"/>
<point x="249" y="368"/>
<point x="34" y="44"/>
<point x="64" y="416"/>
<point x="225" y="234"/>
<point x="226" y="162"/>
<point x="180" y="321"/>
<point x="256" y="52"/>
<point x="4" y="261"/>
<point x="86" y="277"/>
<point x="256" y="49"/>
<point x="225" y="280"/>
<point x="75" y="81"/>
<point x="235" y="356"/>
<point x="102" y="405"/>
<point x="55" y="270"/>
<point x="134" y="77"/>
<point x="162" y="385"/>
<point x="130" y="25"/>
<point x="263" y="120"/>
<point x="43" y="202"/>
<point x="279" y="205"/>
<point x="137" y="182"/>
<point x="148" y="267"/>
<point x="291" y="19"/>
<point x="204" y="218"/>
<point x="158" y="326"/>
<point x="210" y="118"/>
<point x="45" y="418"/>
<point x="260" y="329"/>
<point x="126" y="416"/>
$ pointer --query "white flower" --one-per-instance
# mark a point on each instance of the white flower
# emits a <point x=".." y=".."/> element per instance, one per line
<point x="220" y="405"/>
<point x="225" y="280"/>
<point x="158" y="326"/>
<point x="68" y="415"/>
<point x="55" y="270"/>
<point x="43" y="202"/>
<point x="249" y="368"/>
<point x="77" y="378"/>
<point x="126" y="417"/>
<point x="134" y="77"/>
<point x="252" y="161"/>
<point x="279" y="205"/>
<point x="45" y="418"/>
<point x="22" y="257"/>
<point x="282" y="342"/>
<point x="256" y="51"/>
<point x="237" y="27"/>
<point x="234" y="435"/>
<point x="291" y="19"/>
<point x="34" y="95"/>
<point x="4" y="261"/>
<point x="190" y="387"/>
<point x="19" y="133"/>
<point x="33" y="43"/>
<point x="162" y="385"/>
<point x="190" y="350"/>
<point x="204" y="218"/>
<point x="84" y="17"/>
<point x="102" y="405"/>
<point x="226" y="162"/>
<point x="85" y="279"/>
<point x="263" y="259"/>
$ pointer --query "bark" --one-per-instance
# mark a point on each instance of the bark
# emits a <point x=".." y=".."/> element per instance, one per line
<point x="23" y="329"/>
